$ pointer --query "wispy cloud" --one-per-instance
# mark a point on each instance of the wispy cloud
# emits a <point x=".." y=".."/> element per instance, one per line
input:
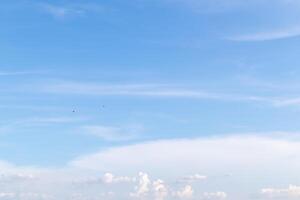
<point x="52" y="120"/>
<point x="192" y="178"/>
<point x="146" y="90"/>
<point x="18" y="124"/>
<point x="107" y="178"/>
<point x="164" y="91"/>
<point x="18" y="73"/>
<point x="110" y="133"/>
<point x="67" y="10"/>
<point x="268" y="35"/>
<point x="150" y="90"/>
<point x="220" y="6"/>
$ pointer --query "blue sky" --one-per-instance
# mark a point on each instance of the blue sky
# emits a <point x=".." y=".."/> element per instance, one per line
<point x="110" y="95"/>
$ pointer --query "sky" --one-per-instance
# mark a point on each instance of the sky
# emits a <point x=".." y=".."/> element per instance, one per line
<point x="149" y="99"/>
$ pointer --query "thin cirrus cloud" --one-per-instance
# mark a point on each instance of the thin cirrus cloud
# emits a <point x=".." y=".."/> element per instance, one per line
<point x="69" y="10"/>
<point x="213" y="6"/>
<point x="162" y="91"/>
<point x="19" y="73"/>
<point x="107" y="178"/>
<point x="143" y="90"/>
<point x="193" y="178"/>
<point x="268" y="35"/>
<point x="113" y="134"/>
<point x="39" y="121"/>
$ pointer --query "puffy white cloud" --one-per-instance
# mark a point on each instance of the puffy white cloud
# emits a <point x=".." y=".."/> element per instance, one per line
<point x="143" y="187"/>
<point x="185" y="193"/>
<point x="147" y="189"/>
<point x="292" y="192"/>
<point x="160" y="190"/>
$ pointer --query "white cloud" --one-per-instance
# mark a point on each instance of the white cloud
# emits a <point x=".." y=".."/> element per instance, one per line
<point x="24" y="196"/>
<point x="192" y="178"/>
<point x="154" y="90"/>
<point x="7" y="195"/>
<point x="146" y="90"/>
<point x="34" y="196"/>
<point x="162" y="91"/>
<point x="16" y="177"/>
<point x="107" y="178"/>
<point x="223" y="154"/>
<point x="50" y="120"/>
<point x="18" y="73"/>
<point x="292" y="192"/>
<point x="110" y="133"/>
<point x="110" y="178"/>
<point x="287" y="102"/>
<point x="214" y="195"/>
<point x="67" y="10"/>
<point x="213" y="6"/>
<point x="143" y="187"/>
<point x="269" y="35"/>
<point x="185" y="193"/>
<point x="160" y="190"/>
<point x="246" y="157"/>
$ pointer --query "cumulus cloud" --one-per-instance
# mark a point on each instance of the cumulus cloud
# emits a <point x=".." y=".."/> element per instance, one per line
<point x="143" y="187"/>
<point x="292" y="192"/>
<point x="185" y="193"/>
<point x="160" y="190"/>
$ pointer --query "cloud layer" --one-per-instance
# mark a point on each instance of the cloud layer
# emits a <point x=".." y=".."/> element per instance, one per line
<point x="245" y="158"/>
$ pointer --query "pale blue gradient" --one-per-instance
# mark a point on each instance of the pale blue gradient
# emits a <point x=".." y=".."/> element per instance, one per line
<point x="143" y="70"/>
